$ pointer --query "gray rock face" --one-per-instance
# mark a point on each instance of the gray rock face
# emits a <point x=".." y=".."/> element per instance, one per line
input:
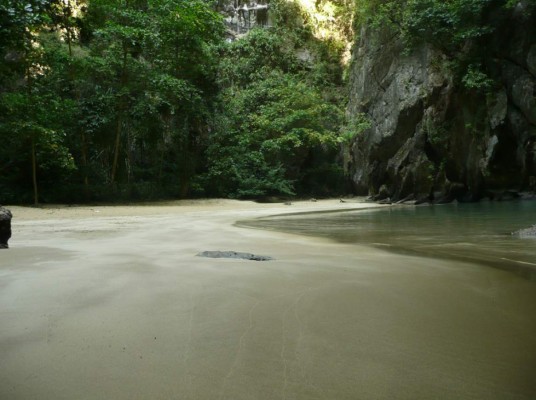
<point x="531" y="60"/>
<point x="243" y="15"/>
<point x="234" y="254"/>
<point x="5" y="227"/>
<point x="432" y="139"/>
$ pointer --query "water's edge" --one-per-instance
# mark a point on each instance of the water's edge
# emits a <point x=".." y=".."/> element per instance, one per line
<point x="321" y="224"/>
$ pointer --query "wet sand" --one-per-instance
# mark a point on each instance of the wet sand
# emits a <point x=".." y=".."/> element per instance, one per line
<point x="112" y="303"/>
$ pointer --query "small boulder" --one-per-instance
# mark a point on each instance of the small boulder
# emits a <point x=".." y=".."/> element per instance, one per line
<point x="5" y="227"/>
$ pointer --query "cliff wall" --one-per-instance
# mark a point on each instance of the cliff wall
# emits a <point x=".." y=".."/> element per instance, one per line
<point x="431" y="138"/>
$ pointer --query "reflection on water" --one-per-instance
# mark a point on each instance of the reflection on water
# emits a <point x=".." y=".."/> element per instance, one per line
<point x="479" y="232"/>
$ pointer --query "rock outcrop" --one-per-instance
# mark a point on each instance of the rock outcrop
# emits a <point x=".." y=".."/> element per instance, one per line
<point x="527" y="233"/>
<point x="431" y="138"/>
<point x="5" y="227"/>
<point x="240" y="16"/>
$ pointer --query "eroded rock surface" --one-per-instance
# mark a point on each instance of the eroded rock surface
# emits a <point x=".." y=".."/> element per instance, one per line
<point x="431" y="138"/>
<point x="527" y="233"/>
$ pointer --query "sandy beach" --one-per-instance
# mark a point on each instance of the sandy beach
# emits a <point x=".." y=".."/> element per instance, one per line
<point x="111" y="302"/>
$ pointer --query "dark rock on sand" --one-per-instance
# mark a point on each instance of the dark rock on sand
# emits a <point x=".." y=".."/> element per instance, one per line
<point x="5" y="227"/>
<point x="234" y="254"/>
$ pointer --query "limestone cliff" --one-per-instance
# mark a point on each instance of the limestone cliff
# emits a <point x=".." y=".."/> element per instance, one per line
<point x="240" y="16"/>
<point x="434" y="139"/>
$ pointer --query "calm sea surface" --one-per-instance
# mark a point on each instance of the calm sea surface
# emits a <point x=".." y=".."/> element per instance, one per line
<point x="478" y="232"/>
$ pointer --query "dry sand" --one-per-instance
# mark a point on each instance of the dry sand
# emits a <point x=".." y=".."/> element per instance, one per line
<point x="112" y="303"/>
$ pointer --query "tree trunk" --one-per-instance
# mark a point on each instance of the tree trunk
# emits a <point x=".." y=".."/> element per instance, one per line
<point x="85" y="164"/>
<point x="118" y="130"/>
<point x="34" y="172"/>
<point x="121" y="110"/>
<point x="32" y="135"/>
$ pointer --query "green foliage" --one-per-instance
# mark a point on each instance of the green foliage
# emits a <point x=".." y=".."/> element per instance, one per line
<point x="114" y="99"/>
<point x="264" y="144"/>
<point x="254" y="56"/>
<point x="238" y="173"/>
<point x="287" y="14"/>
<point x="19" y="19"/>
<point x="444" y="24"/>
<point x="116" y="92"/>
<point x="476" y="79"/>
<point x="447" y="25"/>
<point x="328" y="20"/>
<point x="458" y="28"/>
<point x="44" y="129"/>
<point x="354" y="127"/>
<point x="280" y="112"/>
<point x="531" y="4"/>
<point x="158" y="61"/>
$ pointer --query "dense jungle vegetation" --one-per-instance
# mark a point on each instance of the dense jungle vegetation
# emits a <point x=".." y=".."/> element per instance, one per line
<point x="104" y="100"/>
<point x="143" y="99"/>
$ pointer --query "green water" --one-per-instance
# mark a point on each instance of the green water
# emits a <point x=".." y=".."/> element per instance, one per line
<point x="477" y="232"/>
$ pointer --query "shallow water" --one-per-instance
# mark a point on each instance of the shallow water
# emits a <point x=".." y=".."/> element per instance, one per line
<point x="477" y="232"/>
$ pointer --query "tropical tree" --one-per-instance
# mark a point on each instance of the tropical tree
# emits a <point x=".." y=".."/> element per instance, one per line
<point x="276" y="127"/>
<point x="30" y="110"/>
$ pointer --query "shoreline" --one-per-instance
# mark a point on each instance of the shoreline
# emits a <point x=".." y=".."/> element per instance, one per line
<point x="116" y="304"/>
<point x="50" y="211"/>
<point x="521" y="267"/>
